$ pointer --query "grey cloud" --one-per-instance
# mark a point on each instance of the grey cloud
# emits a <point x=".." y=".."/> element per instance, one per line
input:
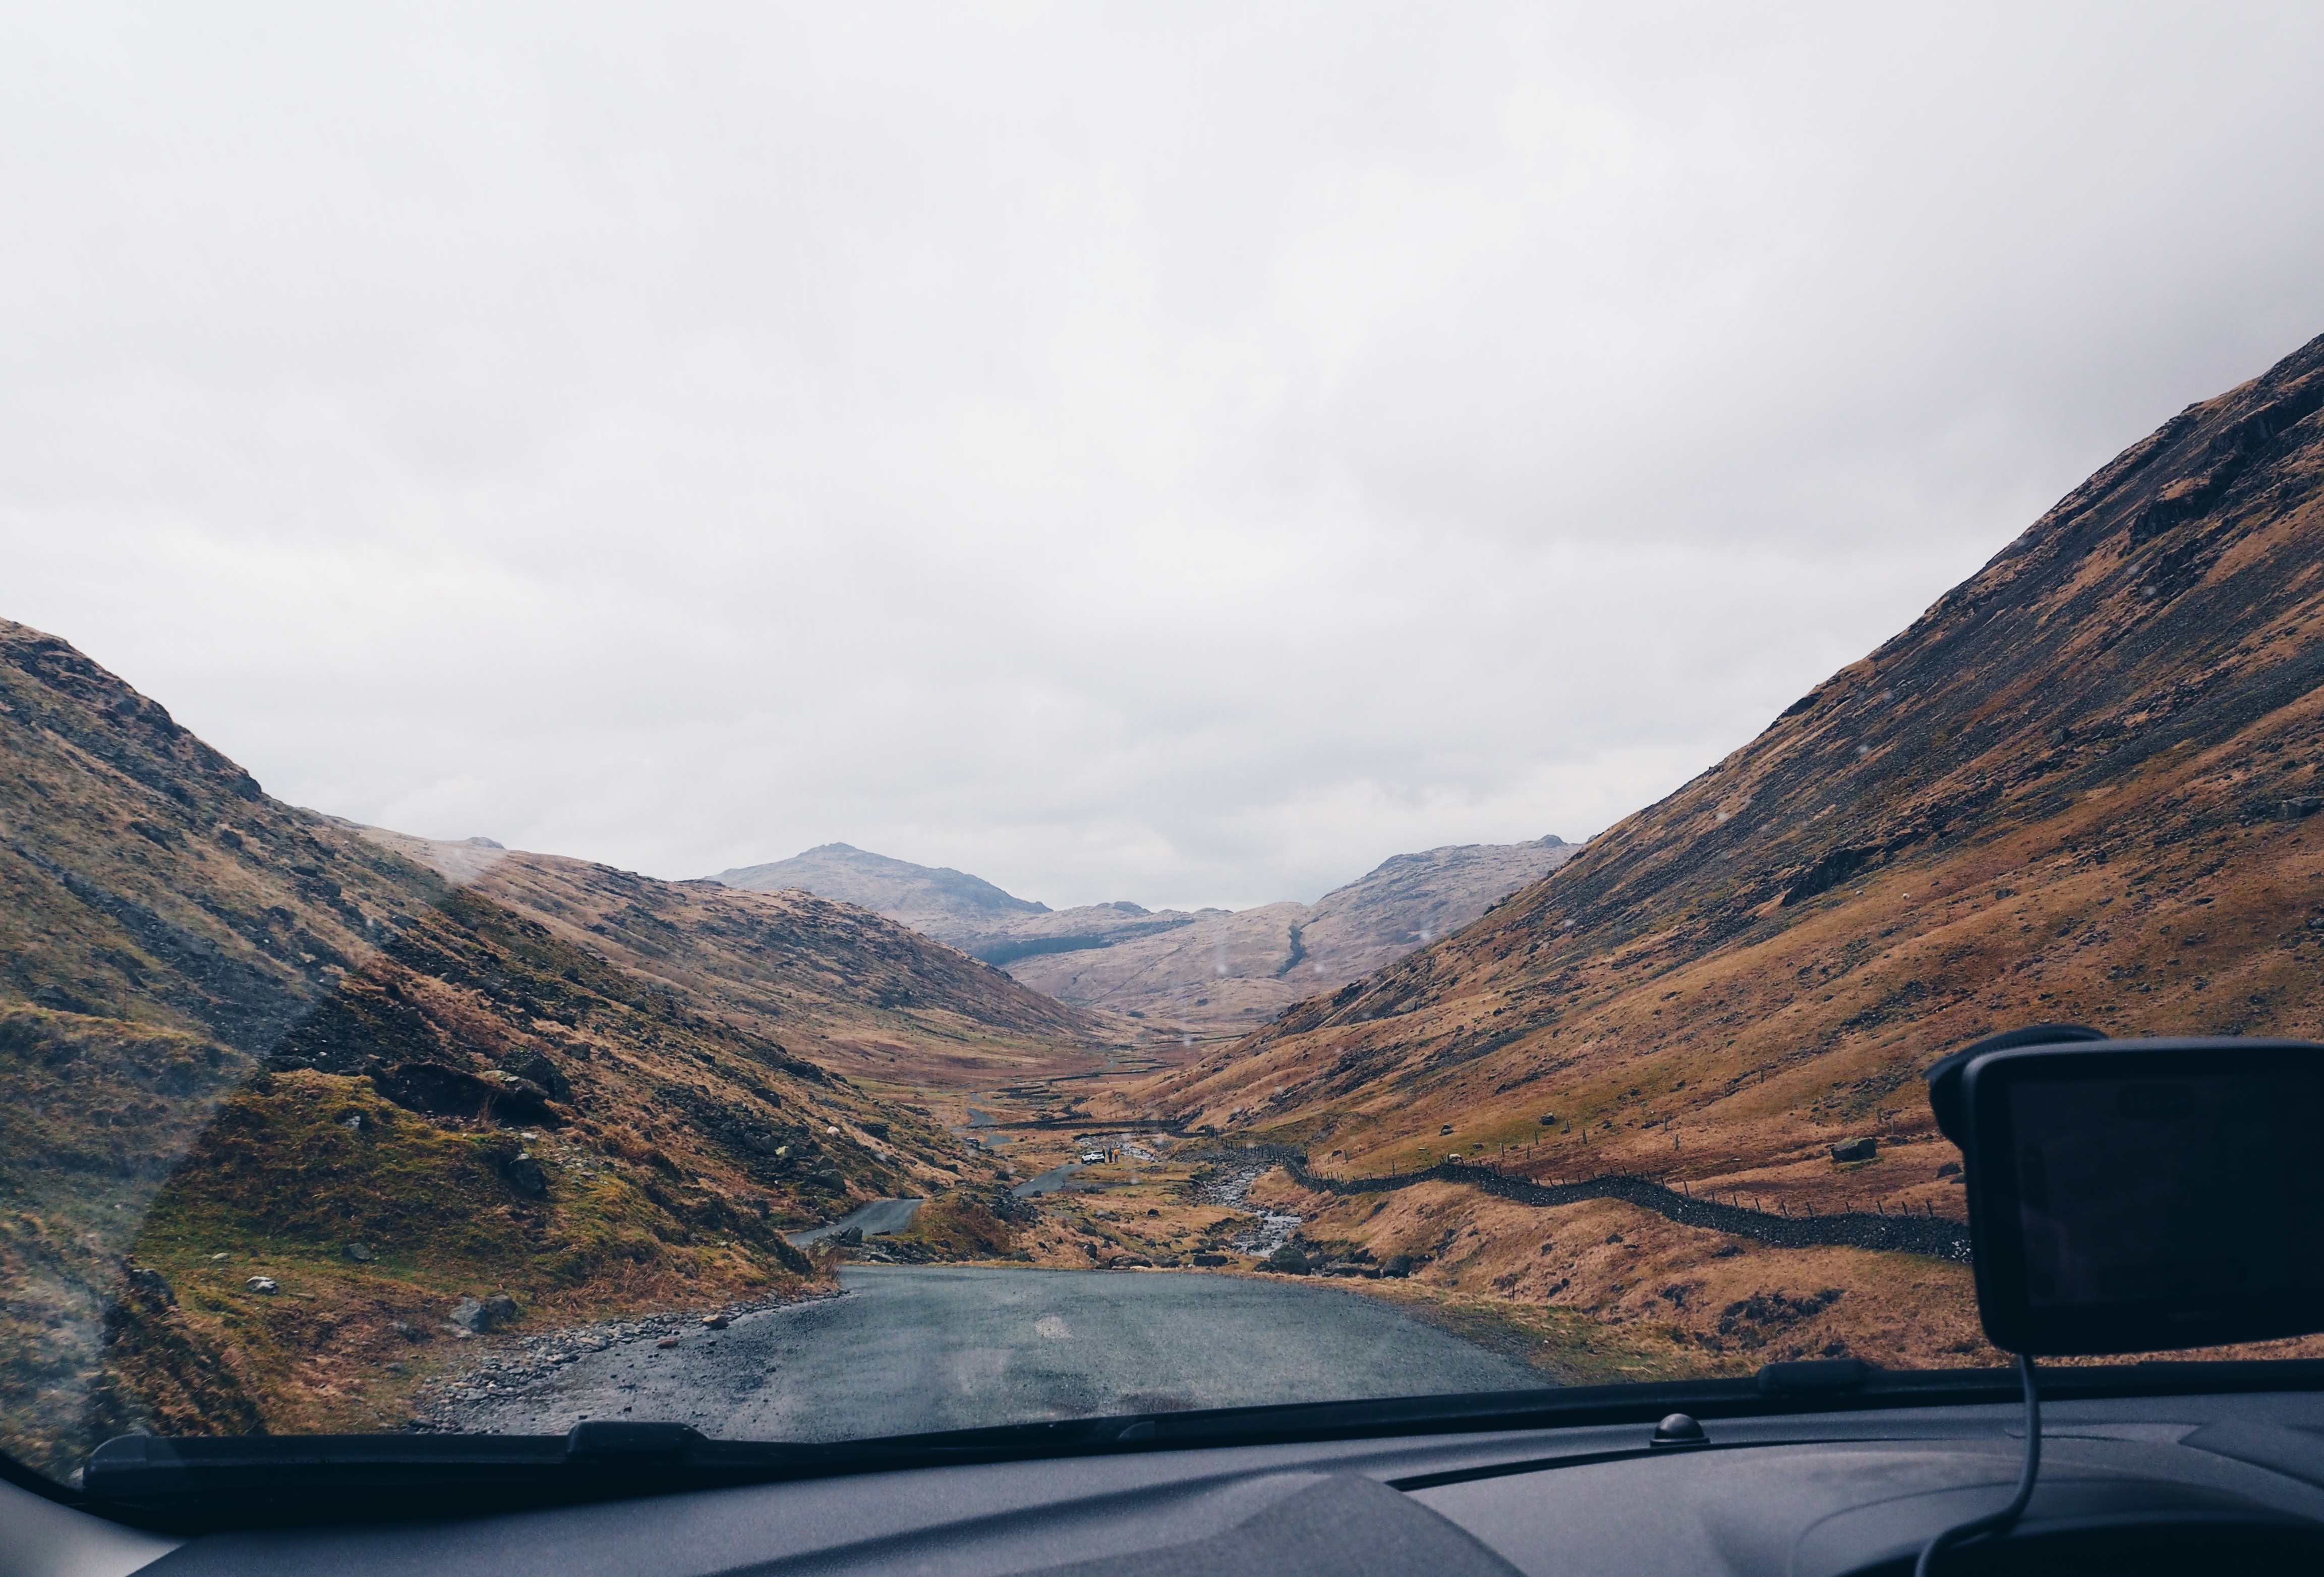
<point x="1181" y="456"/>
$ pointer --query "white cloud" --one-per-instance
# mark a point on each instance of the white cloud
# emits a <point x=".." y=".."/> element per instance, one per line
<point x="1184" y="454"/>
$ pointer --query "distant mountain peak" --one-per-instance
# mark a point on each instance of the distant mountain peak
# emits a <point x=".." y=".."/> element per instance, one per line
<point x="1204" y="969"/>
<point x="924" y="897"/>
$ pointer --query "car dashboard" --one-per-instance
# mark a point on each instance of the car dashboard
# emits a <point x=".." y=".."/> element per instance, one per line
<point x="2128" y="1483"/>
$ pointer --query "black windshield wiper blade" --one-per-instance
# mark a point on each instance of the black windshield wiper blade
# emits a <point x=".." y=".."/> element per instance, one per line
<point x="242" y="1479"/>
<point x="247" y="1478"/>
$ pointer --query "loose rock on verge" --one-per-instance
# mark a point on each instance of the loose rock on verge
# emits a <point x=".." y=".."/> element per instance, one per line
<point x="477" y="1316"/>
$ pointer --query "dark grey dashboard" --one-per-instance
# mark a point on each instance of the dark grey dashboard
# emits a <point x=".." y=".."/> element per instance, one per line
<point x="1810" y="1494"/>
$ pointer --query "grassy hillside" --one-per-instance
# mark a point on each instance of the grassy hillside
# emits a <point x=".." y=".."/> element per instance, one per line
<point x="2078" y="787"/>
<point x="837" y="985"/>
<point x="242" y="1040"/>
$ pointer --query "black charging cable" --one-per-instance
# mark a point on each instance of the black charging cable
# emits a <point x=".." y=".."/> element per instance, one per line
<point x="2001" y="1521"/>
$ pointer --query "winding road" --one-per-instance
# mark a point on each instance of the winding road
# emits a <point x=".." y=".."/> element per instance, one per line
<point x="881" y="1215"/>
<point x="908" y="1348"/>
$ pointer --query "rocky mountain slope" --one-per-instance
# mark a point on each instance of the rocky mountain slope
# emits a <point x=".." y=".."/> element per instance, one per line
<point x="844" y="988"/>
<point x="240" y="1040"/>
<point x="2078" y="787"/>
<point x="1203" y="971"/>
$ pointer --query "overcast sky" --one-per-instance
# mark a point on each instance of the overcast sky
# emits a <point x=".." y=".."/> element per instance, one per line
<point x="1176" y="453"/>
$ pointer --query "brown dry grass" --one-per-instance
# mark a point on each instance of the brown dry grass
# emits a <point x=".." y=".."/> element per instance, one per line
<point x="1690" y="1302"/>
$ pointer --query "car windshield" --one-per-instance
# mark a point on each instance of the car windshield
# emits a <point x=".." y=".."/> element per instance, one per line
<point x="837" y="724"/>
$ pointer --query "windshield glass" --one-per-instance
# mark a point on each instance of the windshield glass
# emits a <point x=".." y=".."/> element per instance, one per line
<point x="830" y="726"/>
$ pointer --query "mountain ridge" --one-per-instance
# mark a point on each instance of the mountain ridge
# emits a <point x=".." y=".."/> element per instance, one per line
<point x="898" y="888"/>
<point x="1201" y="971"/>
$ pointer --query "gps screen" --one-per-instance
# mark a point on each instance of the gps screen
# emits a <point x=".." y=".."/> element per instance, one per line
<point x="2180" y="1190"/>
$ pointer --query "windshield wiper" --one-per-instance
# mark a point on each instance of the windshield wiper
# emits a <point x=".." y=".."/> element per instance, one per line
<point x="244" y="1480"/>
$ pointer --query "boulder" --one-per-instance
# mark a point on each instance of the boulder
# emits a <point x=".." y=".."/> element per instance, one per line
<point x="1289" y="1260"/>
<point x="263" y="1284"/>
<point x="524" y="1090"/>
<point x="1856" y="1149"/>
<point x="152" y="1282"/>
<point x="1397" y="1265"/>
<point x="1209" y="1258"/>
<point x="525" y="1176"/>
<point x="359" y="1253"/>
<point x="479" y="1315"/>
<point x="533" y="1066"/>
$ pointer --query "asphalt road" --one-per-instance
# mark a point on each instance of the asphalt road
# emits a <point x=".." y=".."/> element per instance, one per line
<point x="881" y="1215"/>
<point x="1048" y="1181"/>
<point x="904" y="1350"/>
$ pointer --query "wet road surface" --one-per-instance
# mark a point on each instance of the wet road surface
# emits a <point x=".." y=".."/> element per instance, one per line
<point x="905" y="1349"/>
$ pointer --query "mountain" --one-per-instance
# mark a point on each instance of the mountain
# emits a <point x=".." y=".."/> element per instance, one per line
<point x="2078" y="787"/>
<point x="937" y="902"/>
<point x="1205" y="970"/>
<point x="239" y="1038"/>
<point x="846" y="989"/>
<point x="1216" y="969"/>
